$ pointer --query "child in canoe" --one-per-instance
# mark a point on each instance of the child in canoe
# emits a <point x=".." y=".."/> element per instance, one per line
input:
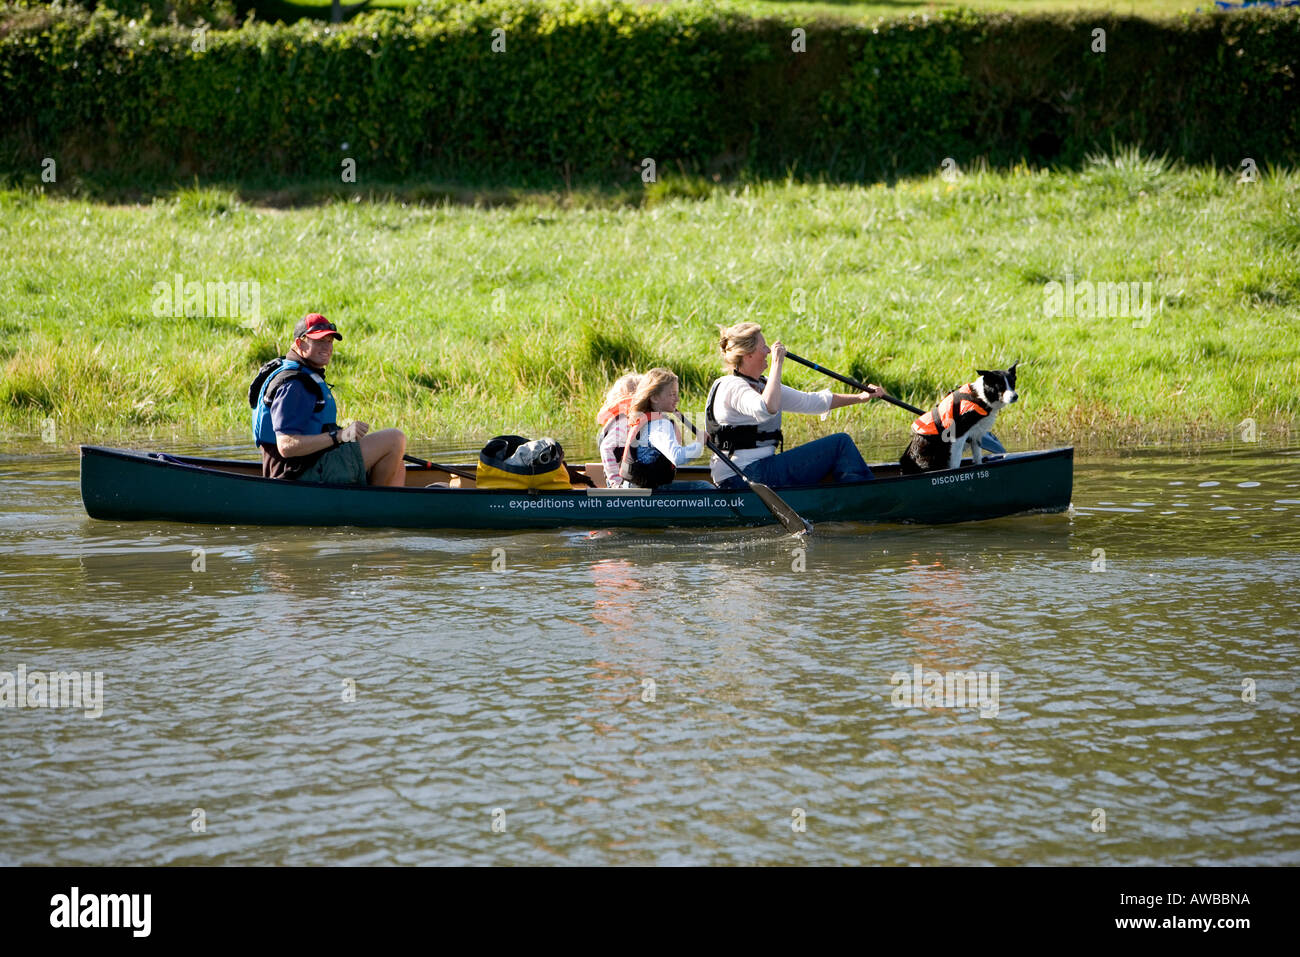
<point x="654" y="447"/>
<point x="612" y="419"/>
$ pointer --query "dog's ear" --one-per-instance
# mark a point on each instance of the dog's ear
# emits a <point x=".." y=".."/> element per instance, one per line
<point x="983" y="372"/>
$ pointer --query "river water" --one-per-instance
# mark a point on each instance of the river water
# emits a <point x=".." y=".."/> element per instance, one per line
<point x="302" y="696"/>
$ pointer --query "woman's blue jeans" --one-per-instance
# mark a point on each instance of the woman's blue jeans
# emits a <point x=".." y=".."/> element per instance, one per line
<point x="808" y="464"/>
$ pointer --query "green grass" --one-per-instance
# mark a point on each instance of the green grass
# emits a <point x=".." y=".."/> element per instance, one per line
<point x="465" y="321"/>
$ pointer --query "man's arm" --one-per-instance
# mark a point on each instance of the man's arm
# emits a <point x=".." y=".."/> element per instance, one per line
<point x="354" y="432"/>
<point x="292" y="446"/>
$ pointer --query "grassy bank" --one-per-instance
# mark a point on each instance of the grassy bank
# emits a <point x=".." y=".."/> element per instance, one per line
<point x="471" y="320"/>
<point x="270" y="11"/>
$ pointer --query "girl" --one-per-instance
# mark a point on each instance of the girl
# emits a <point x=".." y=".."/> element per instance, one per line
<point x="654" y="448"/>
<point x="612" y="419"/>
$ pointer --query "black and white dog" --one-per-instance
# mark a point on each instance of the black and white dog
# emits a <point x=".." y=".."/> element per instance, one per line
<point x="939" y="436"/>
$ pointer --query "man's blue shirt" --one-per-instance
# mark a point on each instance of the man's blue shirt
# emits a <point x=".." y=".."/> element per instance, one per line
<point x="291" y="409"/>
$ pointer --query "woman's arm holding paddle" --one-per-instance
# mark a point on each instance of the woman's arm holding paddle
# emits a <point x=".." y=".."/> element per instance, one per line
<point x="838" y="401"/>
<point x="772" y="393"/>
<point x="989" y="441"/>
<point x="772" y="398"/>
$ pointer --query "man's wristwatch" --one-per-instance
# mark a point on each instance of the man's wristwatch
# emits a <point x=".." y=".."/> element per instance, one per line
<point x="334" y="434"/>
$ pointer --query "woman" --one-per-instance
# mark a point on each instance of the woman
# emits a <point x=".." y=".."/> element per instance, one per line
<point x="743" y="416"/>
<point x="654" y="448"/>
<point x="612" y="419"/>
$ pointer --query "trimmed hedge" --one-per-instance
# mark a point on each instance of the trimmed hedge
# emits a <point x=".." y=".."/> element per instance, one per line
<point x="590" y="87"/>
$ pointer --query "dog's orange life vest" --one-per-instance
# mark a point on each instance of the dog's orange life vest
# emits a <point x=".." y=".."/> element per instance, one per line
<point x="941" y="418"/>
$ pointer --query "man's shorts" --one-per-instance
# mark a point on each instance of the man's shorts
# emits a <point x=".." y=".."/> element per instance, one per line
<point x="341" y="466"/>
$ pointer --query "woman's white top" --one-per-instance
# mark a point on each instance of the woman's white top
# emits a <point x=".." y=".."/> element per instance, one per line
<point x="737" y="402"/>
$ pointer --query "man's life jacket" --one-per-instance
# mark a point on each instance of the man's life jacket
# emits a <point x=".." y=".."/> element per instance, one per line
<point x="273" y="375"/>
<point x="729" y="438"/>
<point x="658" y="470"/>
<point x="940" y="419"/>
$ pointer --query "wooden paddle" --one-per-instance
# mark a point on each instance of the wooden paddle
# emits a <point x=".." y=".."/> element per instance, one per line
<point x="989" y="442"/>
<point x="793" y="522"/>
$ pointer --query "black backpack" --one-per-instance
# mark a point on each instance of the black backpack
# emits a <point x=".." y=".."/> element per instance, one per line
<point x="268" y="369"/>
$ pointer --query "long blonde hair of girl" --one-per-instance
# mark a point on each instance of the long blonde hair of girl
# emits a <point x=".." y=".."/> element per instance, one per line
<point x="651" y="384"/>
<point x="626" y="385"/>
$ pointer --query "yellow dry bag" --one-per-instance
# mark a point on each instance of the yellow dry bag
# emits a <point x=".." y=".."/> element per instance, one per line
<point x="512" y="461"/>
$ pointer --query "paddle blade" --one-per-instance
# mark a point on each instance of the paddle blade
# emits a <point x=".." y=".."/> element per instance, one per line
<point x="788" y="517"/>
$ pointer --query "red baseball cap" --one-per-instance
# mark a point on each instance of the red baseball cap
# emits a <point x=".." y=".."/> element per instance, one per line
<point x="315" y="326"/>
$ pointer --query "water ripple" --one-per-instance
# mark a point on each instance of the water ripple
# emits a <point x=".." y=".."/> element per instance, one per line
<point x="378" y="697"/>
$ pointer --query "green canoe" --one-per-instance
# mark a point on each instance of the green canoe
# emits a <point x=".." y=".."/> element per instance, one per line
<point x="119" y="485"/>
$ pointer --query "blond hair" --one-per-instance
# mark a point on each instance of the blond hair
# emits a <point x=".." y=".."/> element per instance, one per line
<point x="738" y="341"/>
<point x="652" y="383"/>
<point x="624" y="386"/>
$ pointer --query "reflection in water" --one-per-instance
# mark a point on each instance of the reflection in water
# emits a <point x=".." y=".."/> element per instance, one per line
<point x="509" y="670"/>
<point x="940" y="611"/>
<point x="614" y="610"/>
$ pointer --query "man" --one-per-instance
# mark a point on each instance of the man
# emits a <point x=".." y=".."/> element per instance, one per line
<point x="293" y="421"/>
